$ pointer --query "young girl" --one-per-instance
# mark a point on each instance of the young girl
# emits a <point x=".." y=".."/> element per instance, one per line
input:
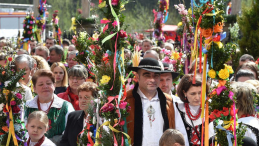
<point x="37" y="126"/>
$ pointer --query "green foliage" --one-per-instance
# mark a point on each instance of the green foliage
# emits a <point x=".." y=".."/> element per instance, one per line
<point x="249" y="26"/>
<point x="11" y="97"/>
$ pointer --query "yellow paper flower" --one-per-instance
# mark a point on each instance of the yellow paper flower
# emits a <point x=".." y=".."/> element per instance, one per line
<point x="223" y="74"/>
<point x="105" y="79"/>
<point x="212" y="74"/>
<point x="179" y="24"/>
<point x="95" y="36"/>
<point x="6" y="92"/>
<point x="230" y="69"/>
<point x="190" y="11"/>
<point x="175" y="55"/>
<point x="122" y="79"/>
<point x="103" y="4"/>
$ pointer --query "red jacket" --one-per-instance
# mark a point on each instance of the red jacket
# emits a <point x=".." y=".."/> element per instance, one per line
<point x="70" y="97"/>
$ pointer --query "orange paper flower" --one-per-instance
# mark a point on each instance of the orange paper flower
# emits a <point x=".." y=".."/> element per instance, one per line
<point x="5" y="128"/>
<point x="206" y="32"/>
<point x="218" y="27"/>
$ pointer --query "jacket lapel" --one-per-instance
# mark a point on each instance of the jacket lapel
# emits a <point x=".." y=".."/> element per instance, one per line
<point x="79" y="122"/>
<point x="162" y="100"/>
<point x="138" y="120"/>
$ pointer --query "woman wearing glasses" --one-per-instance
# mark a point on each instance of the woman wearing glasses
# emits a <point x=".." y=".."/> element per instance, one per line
<point x="76" y="76"/>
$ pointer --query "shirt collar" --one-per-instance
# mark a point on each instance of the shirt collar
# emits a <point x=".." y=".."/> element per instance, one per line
<point x="144" y="97"/>
<point x="57" y="103"/>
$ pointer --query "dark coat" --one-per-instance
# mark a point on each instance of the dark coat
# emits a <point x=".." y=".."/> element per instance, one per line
<point x="74" y="127"/>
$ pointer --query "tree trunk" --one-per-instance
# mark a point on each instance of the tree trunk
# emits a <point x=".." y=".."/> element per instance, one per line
<point x="236" y="7"/>
<point x="36" y="4"/>
<point x="85" y="8"/>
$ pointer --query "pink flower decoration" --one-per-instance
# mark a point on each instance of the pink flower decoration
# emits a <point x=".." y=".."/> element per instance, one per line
<point x="82" y="53"/>
<point x="220" y="89"/>
<point x="105" y="28"/>
<point x="106" y="55"/>
<point x="122" y="123"/>
<point x="104" y="21"/>
<point x="13" y="102"/>
<point x="115" y="2"/>
<point x="166" y="60"/>
<point x="173" y="62"/>
<point x="18" y="95"/>
<point x="107" y="108"/>
<point x="163" y="50"/>
<point x="123" y="105"/>
<point x="230" y="95"/>
<point x="167" y="52"/>
<point x="115" y="23"/>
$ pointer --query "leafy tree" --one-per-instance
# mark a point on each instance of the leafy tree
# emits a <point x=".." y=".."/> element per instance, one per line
<point x="249" y="26"/>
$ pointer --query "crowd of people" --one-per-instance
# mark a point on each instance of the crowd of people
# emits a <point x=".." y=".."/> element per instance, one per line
<point x="57" y="93"/>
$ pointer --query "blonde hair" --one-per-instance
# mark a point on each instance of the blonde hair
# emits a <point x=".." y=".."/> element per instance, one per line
<point x="244" y="94"/>
<point x="255" y="83"/>
<point x="170" y="137"/>
<point x="39" y="115"/>
<point x="41" y="62"/>
<point x="65" y="78"/>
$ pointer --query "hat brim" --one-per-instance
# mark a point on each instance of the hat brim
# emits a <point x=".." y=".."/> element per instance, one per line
<point x="174" y="74"/>
<point x="147" y="69"/>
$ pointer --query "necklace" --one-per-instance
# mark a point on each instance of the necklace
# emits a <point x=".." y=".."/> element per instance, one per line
<point x="189" y="113"/>
<point x="46" y="111"/>
<point x="38" y="143"/>
<point x="151" y="114"/>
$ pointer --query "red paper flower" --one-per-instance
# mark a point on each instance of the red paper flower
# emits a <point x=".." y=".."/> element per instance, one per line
<point x="109" y="107"/>
<point x="225" y="111"/>
<point x="16" y="109"/>
<point x="115" y="2"/>
<point x="123" y="34"/>
<point x="122" y="123"/>
<point x="10" y="59"/>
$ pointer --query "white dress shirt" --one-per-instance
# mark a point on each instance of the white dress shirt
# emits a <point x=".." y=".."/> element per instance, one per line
<point x="179" y="125"/>
<point x="151" y="134"/>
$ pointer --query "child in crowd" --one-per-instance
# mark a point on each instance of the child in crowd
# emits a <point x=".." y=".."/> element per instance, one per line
<point x="37" y="126"/>
<point x="172" y="137"/>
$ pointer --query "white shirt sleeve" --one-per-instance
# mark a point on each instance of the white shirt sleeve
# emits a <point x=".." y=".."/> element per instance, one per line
<point x="179" y="125"/>
<point x="70" y="109"/>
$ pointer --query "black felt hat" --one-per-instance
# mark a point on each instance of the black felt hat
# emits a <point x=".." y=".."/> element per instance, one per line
<point x="148" y="64"/>
<point x="168" y="69"/>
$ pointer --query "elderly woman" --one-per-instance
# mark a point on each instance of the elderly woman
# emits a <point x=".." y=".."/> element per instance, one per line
<point x="77" y="119"/>
<point x="77" y="75"/>
<point x="245" y="94"/>
<point x="25" y="62"/>
<point x="56" y="108"/>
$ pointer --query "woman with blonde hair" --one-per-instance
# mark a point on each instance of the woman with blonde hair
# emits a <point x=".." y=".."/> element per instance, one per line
<point x="245" y="94"/>
<point x="61" y="77"/>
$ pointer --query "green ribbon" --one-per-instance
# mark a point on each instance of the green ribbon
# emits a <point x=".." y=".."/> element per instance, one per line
<point x="118" y="25"/>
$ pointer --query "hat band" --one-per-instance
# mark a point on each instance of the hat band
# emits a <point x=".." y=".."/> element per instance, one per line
<point x="149" y="66"/>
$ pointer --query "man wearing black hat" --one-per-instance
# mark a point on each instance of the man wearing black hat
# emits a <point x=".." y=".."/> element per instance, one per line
<point x="151" y="112"/>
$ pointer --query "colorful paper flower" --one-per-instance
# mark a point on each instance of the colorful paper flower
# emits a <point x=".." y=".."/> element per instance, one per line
<point x="108" y="107"/>
<point x="13" y="102"/>
<point x="105" y="79"/>
<point x="95" y="37"/>
<point x="115" y="23"/>
<point x="123" y="34"/>
<point x="212" y="74"/>
<point x="175" y="55"/>
<point x="230" y="69"/>
<point x="18" y="95"/>
<point x="115" y="2"/>
<point x="179" y="24"/>
<point x="10" y="59"/>
<point x="223" y="74"/>
<point x="105" y="28"/>
<point x="102" y="4"/>
<point x="104" y="21"/>
<point x="6" y="92"/>
<point x="16" y="109"/>
<point x="5" y="128"/>
<point x="123" y="105"/>
<point x="206" y="32"/>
